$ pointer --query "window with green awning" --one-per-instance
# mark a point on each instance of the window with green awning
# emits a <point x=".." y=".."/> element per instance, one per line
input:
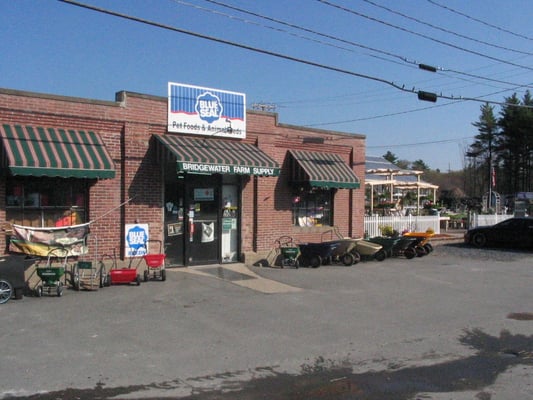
<point x="54" y="152"/>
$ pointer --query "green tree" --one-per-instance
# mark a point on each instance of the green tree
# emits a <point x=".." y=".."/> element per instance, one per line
<point x="481" y="152"/>
<point x="515" y="145"/>
<point x="419" y="165"/>
<point x="390" y="157"/>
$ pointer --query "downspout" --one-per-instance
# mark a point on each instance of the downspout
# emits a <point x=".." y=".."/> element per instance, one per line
<point x="350" y="199"/>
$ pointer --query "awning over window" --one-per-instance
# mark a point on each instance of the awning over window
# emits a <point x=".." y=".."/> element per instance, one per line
<point x="323" y="170"/>
<point x="54" y="152"/>
<point x="214" y="156"/>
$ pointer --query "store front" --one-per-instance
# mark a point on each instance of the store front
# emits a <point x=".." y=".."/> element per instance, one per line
<point x="49" y="173"/>
<point x="209" y="180"/>
<point x="203" y="180"/>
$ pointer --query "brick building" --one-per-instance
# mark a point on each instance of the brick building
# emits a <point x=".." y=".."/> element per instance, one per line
<point x="211" y="199"/>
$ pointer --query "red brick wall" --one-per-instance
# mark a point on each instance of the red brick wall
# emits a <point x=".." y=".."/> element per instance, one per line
<point x="126" y="127"/>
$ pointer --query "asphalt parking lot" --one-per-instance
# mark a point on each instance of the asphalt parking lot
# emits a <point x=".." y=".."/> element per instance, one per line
<point x="211" y="332"/>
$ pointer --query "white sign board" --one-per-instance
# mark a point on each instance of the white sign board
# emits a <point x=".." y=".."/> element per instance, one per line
<point x="204" y="111"/>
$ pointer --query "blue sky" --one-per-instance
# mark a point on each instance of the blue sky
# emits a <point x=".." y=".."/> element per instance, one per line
<point x="51" y="47"/>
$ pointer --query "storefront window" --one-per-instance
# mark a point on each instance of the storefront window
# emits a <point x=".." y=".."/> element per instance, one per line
<point x="312" y="208"/>
<point x="46" y="202"/>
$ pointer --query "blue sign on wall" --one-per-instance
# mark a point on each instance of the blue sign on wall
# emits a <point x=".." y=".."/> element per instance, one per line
<point x="135" y="240"/>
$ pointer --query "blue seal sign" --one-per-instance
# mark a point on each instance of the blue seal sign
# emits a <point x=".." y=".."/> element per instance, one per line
<point x="209" y="107"/>
<point x="136" y="239"/>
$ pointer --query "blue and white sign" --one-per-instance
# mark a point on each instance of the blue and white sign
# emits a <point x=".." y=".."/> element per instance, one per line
<point x="204" y="111"/>
<point x="135" y="239"/>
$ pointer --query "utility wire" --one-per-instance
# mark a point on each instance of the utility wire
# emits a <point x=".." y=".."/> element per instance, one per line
<point x="421" y="143"/>
<point x="421" y="94"/>
<point x="348" y="10"/>
<point x="290" y="25"/>
<point x="382" y="115"/>
<point x="445" y="30"/>
<point x="250" y="22"/>
<point x="235" y="44"/>
<point x="314" y="32"/>
<point x="416" y="110"/>
<point x="480" y="21"/>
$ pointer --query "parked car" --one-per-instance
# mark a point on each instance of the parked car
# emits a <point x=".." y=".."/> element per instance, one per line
<point x="513" y="232"/>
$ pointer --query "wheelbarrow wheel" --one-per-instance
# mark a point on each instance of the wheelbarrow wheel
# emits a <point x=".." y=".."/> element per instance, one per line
<point x="420" y="251"/>
<point x="380" y="255"/>
<point x="6" y="291"/>
<point x="347" y="259"/>
<point x="409" y="253"/>
<point x="315" y="261"/>
<point x="138" y="280"/>
<point x="75" y="278"/>
<point x="146" y="275"/>
<point x="59" y="289"/>
<point x="39" y="291"/>
<point x="428" y="247"/>
<point x="163" y="275"/>
<point x="103" y="276"/>
<point x="356" y="256"/>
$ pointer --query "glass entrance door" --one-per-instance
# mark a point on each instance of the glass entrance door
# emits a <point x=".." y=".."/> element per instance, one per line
<point x="174" y="222"/>
<point x="230" y="227"/>
<point x="202" y="237"/>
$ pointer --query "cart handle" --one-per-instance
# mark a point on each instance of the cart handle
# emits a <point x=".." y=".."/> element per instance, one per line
<point x="285" y="241"/>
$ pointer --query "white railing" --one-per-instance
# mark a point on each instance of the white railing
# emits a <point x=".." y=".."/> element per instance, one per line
<point x="411" y="223"/>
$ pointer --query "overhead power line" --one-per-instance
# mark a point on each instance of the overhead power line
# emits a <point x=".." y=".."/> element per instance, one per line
<point x="348" y="10"/>
<point x="421" y="143"/>
<point x="422" y="95"/>
<point x="446" y="30"/>
<point x="325" y="35"/>
<point x="480" y="21"/>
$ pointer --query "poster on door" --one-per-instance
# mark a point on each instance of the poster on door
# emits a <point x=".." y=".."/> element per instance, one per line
<point x="136" y="237"/>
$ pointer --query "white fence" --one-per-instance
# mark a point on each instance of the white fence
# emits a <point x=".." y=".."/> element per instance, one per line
<point x="411" y="223"/>
<point x="487" y="219"/>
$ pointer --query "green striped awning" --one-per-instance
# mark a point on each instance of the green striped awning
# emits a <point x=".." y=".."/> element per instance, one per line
<point x="323" y="170"/>
<point x="54" y="152"/>
<point x="215" y="156"/>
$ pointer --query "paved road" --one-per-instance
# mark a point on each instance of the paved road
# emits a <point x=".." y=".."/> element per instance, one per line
<point x="452" y="325"/>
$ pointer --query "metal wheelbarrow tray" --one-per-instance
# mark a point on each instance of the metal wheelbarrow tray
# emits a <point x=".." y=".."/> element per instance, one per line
<point x="396" y="246"/>
<point x="315" y="254"/>
<point x="369" y="250"/>
<point x="345" y="252"/>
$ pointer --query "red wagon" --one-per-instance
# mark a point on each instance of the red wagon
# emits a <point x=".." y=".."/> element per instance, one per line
<point x="155" y="263"/>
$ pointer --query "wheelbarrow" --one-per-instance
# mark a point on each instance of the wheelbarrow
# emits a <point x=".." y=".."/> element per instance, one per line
<point x="369" y="250"/>
<point x="396" y="246"/>
<point x="12" y="278"/>
<point x="421" y="242"/>
<point x="288" y="251"/>
<point x="345" y="252"/>
<point x="315" y="254"/>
